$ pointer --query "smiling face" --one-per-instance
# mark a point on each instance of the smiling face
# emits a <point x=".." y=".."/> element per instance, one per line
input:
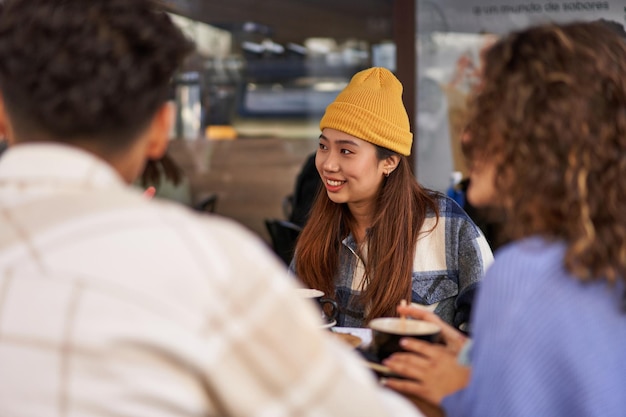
<point x="350" y="168"/>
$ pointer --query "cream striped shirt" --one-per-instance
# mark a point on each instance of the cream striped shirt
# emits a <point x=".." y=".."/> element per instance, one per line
<point x="113" y="305"/>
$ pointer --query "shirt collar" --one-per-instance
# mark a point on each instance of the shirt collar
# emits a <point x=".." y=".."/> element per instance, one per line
<point x="56" y="164"/>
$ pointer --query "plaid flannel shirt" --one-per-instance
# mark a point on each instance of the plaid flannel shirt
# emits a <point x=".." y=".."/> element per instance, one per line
<point x="449" y="262"/>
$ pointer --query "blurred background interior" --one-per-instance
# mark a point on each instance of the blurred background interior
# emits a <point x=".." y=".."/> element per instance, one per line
<point x="250" y="99"/>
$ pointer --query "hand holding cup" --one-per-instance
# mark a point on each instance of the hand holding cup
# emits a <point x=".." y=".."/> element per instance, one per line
<point x="431" y="371"/>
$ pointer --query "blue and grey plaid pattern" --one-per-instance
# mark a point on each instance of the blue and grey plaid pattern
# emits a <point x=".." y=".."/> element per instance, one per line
<point x="448" y="264"/>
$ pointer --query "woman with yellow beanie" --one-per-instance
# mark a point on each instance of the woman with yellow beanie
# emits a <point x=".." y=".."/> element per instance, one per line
<point x="374" y="235"/>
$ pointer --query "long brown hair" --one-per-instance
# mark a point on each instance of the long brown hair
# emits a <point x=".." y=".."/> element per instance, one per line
<point x="552" y="116"/>
<point x="401" y="208"/>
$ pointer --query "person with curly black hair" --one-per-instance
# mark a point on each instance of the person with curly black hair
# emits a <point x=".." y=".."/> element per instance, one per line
<point x="112" y="304"/>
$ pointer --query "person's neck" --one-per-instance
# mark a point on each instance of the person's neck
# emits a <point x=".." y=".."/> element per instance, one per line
<point x="127" y="162"/>
<point x="363" y="216"/>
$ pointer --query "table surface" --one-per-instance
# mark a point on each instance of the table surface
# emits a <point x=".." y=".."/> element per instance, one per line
<point x="364" y="333"/>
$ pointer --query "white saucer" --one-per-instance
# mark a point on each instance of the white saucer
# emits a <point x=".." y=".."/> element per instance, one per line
<point x="329" y="324"/>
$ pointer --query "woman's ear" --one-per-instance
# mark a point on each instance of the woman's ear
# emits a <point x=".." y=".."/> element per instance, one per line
<point x="390" y="164"/>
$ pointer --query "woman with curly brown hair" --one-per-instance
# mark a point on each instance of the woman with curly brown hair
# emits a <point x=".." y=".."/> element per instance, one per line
<point x="374" y="235"/>
<point x="547" y="142"/>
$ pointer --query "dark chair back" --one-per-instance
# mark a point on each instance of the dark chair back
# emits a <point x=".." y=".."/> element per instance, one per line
<point x="207" y="203"/>
<point x="284" y="235"/>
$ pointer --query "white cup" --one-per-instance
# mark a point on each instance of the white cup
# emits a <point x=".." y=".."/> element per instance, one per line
<point x="329" y="314"/>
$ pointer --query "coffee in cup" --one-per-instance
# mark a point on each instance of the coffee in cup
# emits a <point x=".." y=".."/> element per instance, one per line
<point x="329" y="307"/>
<point x="387" y="332"/>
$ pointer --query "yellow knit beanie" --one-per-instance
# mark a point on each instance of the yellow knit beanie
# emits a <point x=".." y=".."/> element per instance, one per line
<point x="371" y="108"/>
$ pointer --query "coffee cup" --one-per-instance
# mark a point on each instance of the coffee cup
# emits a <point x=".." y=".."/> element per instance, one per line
<point x="387" y="332"/>
<point x="329" y="308"/>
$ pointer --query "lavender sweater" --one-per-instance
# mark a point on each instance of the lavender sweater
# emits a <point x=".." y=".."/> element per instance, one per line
<point x="545" y="344"/>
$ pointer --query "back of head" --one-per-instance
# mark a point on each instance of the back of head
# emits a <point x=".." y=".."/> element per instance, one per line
<point x="552" y="114"/>
<point x="86" y="70"/>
